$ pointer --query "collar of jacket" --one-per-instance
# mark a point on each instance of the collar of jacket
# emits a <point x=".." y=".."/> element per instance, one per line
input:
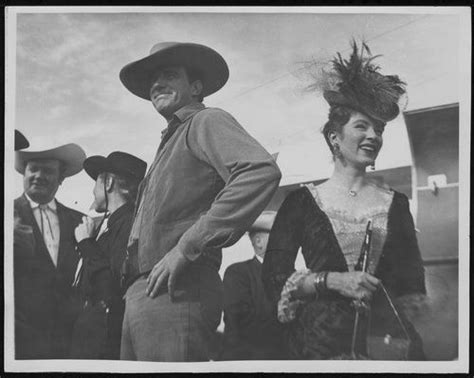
<point x="182" y="114"/>
<point x="119" y="213"/>
<point x="51" y="205"/>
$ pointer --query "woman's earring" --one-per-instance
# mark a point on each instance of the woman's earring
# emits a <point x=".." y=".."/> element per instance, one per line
<point x="336" y="150"/>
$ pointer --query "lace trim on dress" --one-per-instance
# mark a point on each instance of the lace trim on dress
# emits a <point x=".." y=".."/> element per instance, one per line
<point x="287" y="305"/>
<point x="350" y="229"/>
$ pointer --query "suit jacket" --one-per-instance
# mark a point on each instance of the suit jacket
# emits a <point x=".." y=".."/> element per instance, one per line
<point x="45" y="305"/>
<point x="252" y="331"/>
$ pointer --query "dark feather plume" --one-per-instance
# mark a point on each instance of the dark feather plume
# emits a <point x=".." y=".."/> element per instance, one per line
<point x="360" y="81"/>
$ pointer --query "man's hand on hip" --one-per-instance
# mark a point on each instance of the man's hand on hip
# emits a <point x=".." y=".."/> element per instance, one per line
<point x="169" y="267"/>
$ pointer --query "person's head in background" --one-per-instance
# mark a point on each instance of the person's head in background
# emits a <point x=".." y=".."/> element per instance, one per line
<point x="259" y="233"/>
<point x="117" y="178"/>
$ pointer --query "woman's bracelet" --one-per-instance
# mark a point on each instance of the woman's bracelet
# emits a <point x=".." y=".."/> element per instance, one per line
<point x="320" y="282"/>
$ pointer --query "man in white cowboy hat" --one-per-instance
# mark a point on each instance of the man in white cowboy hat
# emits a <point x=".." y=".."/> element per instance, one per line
<point x="44" y="285"/>
<point x="252" y="331"/>
<point x="208" y="183"/>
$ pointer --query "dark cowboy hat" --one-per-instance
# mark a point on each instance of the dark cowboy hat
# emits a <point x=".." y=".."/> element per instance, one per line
<point x="117" y="162"/>
<point x="20" y="141"/>
<point x="209" y="64"/>
<point x="70" y="155"/>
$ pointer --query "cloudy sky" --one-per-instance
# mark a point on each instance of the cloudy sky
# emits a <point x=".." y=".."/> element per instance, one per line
<point x="62" y="71"/>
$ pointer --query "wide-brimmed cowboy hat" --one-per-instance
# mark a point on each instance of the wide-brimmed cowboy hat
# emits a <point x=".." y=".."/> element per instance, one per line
<point x="20" y="141"/>
<point x="210" y="65"/>
<point x="117" y="162"/>
<point x="264" y="222"/>
<point x="70" y="155"/>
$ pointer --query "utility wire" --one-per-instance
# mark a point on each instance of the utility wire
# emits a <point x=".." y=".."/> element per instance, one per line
<point x="292" y="72"/>
<point x="311" y="128"/>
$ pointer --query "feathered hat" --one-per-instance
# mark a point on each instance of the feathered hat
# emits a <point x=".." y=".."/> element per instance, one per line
<point x="358" y="84"/>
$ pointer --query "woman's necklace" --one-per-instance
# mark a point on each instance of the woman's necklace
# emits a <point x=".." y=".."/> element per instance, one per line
<point x="350" y="192"/>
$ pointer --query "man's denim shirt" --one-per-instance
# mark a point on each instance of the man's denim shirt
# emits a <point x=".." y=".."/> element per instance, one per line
<point x="207" y="185"/>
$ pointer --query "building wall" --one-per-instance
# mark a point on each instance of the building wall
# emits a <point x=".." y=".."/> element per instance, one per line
<point x="434" y="141"/>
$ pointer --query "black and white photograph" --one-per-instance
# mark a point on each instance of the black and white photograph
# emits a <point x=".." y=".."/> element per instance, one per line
<point x="237" y="189"/>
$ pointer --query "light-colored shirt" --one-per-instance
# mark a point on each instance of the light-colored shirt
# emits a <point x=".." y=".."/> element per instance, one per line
<point x="103" y="228"/>
<point x="207" y="185"/>
<point x="46" y="217"/>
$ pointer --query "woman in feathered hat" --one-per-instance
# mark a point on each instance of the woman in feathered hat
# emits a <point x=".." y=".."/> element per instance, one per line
<point x="329" y="223"/>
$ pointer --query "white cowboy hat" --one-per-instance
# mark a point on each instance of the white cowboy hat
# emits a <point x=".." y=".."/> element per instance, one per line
<point x="71" y="155"/>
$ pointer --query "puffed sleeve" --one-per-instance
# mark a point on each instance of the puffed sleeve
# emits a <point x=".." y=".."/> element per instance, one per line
<point x="402" y="269"/>
<point x="284" y="241"/>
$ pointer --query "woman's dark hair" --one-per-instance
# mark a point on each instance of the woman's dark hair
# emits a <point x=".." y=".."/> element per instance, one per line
<point x="338" y="117"/>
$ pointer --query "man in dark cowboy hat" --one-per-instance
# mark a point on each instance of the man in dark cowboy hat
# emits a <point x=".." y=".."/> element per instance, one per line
<point x="97" y="331"/>
<point x="208" y="183"/>
<point x="20" y="141"/>
<point x="252" y="330"/>
<point x="44" y="292"/>
<point x="23" y="244"/>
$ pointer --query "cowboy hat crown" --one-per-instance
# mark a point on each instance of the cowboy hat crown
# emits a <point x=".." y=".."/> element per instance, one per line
<point x="210" y="65"/>
<point x="70" y="155"/>
<point x="117" y="162"/>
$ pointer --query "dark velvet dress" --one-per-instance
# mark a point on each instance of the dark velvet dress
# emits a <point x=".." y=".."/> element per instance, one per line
<point x="322" y="328"/>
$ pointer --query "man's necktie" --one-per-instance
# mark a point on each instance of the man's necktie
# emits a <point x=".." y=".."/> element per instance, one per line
<point x="44" y="215"/>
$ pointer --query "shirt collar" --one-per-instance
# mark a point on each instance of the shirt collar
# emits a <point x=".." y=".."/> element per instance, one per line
<point x="187" y="111"/>
<point x="51" y="205"/>
<point x="259" y="259"/>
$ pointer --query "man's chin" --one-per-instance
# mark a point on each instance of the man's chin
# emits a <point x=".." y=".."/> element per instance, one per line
<point x="40" y="195"/>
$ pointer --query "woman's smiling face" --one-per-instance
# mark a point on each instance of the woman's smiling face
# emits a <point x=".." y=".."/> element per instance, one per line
<point x="360" y="140"/>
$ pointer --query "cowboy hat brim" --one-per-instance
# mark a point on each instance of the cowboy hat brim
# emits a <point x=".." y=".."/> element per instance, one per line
<point x="117" y="162"/>
<point x="213" y="69"/>
<point x="335" y="98"/>
<point x="71" y="155"/>
<point x="95" y="165"/>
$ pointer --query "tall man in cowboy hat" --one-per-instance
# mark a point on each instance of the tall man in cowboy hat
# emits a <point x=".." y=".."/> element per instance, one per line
<point x="97" y="331"/>
<point x="44" y="291"/>
<point x="209" y="181"/>
<point x="252" y="330"/>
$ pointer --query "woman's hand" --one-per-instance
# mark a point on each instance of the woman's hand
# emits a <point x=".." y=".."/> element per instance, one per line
<point x="356" y="285"/>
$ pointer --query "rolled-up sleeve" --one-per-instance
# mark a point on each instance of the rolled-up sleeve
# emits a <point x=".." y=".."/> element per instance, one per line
<point x="250" y="174"/>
